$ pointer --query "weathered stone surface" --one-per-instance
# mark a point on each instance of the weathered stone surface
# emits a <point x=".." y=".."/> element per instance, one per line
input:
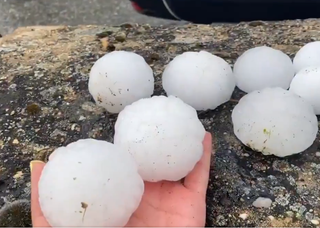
<point x="45" y="104"/>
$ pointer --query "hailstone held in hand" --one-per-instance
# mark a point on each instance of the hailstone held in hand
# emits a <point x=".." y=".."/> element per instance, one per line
<point x="275" y="121"/>
<point x="90" y="183"/>
<point x="200" y="79"/>
<point x="306" y="84"/>
<point x="163" y="134"/>
<point x="262" y="67"/>
<point x="119" y="78"/>
<point x="308" y="55"/>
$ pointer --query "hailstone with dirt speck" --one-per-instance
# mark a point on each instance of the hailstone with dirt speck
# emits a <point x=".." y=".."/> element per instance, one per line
<point x="275" y="121"/>
<point x="308" y="55"/>
<point x="263" y="67"/>
<point x="163" y="134"/>
<point x="200" y="79"/>
<point x="118" y="79"/>
<point x="90" y="183"/>
<point x="306" y="84"/>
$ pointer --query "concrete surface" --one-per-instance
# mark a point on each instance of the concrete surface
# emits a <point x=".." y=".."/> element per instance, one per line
<point x="16" y="13"/>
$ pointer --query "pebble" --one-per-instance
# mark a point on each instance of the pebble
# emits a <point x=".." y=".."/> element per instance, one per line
<point x="18" y="175"/>
<point x="121" y="36"/>
<point x="318" y="154"/>
<point x="244" y="216"/>
<point x="15" y="142"/>
<point x="315" y="222"/>
<point x="262" y="202"/>
<point x="290" y="214"/>
<point x="271" y="217"/>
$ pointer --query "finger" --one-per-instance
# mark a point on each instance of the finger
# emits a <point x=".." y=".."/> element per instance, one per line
<point x="36" y="214"/>
<point x="197" y="179"/>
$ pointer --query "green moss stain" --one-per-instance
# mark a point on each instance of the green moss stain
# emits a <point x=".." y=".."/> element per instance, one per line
<point x="266" y="132"/>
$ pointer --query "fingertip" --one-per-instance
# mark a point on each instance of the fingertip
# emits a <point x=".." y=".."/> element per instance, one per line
<point x="36" y="164"/>
<point x="36" y="168"/>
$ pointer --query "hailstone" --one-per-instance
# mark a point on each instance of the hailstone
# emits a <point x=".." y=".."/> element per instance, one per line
<point x="118" y="79"/>
<point x="306" y="84"/>
<point x="308" y="55"/>
<point x="262" y="67"/>
<point x="200" y="79"/>
<point x="275" y="121"/>
<point x="90" y="183"/>
<point x="163" y="134"/>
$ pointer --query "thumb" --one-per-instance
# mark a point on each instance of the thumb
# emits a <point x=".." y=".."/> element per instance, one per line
<point x="197" y="179"/>
<point x="38" y="219"/>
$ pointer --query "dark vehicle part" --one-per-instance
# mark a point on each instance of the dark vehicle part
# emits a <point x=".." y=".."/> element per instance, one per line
<point x="232" y="11"/>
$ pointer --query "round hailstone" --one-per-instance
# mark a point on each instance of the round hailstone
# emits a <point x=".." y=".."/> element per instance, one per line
<point x="163" y="134"/>
<point x="306" y="84"/>
<point x="308" y="55"/>
<point x="120" y="78"/>
<point x="90" y="183"/>
<point x="275" y="121"/>
<point x="262" y="67"/>
<point x="200" y="79"/>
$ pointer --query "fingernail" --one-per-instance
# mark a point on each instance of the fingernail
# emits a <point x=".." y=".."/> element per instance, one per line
<point x="33" y="163"/>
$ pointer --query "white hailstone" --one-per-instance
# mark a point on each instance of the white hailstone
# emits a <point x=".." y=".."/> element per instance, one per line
<point x="308" y="55"/>
<point x="262" y="67"/>
<point x="306" y="84"/>
<point x="120" y="78"/>
<point x="163" y="134"/>
<point x="200" y="79"/>
<point x="90" y="183"/>
<point x="275" y="121"/>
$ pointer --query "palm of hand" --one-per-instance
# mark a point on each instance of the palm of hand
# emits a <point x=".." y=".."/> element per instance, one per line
<point x="163" y="204"/>
<point x="169" y="204"/>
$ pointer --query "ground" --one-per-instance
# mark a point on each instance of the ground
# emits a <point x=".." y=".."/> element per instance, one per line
<point x="19" y="13"/>
<point x="45" y="103"/>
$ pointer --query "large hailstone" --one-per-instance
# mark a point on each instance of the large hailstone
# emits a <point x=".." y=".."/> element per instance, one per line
<point x="275" y="121"/>
<point x="163" y="134"/>
<point x="90" y="183"/>
<point x="308" y="55"/>
<point x="200" y="79"/>
<point x="120" y="78"/>
<point x="306" y="84"/>
<point x="262" y="67"/>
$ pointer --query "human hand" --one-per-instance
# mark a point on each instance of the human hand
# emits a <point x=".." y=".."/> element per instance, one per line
<point x="163" y="203"/>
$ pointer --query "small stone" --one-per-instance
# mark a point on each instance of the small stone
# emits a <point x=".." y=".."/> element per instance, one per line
<point x="33" y="109"/>
<point x="15" y="142"/>
<point x="120" y="36"/>
<point x="271" y="217"/>
<point x="73" y="127"/>
<point x="317" y="154"/>
<point x="18" y="175"/>
<point x="141" y="30"/>
<point x="244" y="216"/>
<point x="315" y="222"/>
<point x="262" y="202"/>
<point x="58" y="132"/>
<point x="146" y="27"/>
<point x="298" y="216"/>
<point x="290" y="214"/>
<point x="104" y="44"/>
